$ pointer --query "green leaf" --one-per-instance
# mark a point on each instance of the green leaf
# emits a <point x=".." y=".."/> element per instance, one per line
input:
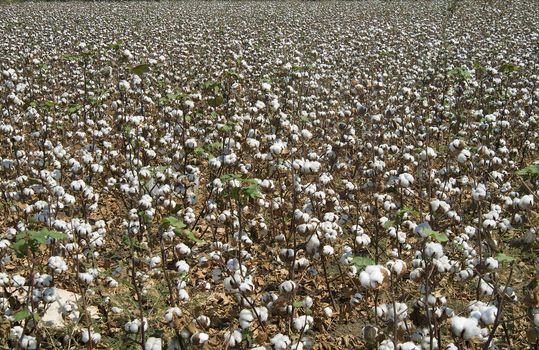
<point x="191" y="236"/>
<point x="460" y="73"/>
<point x="247" y="335"/>
<point x="141" y="69"/>
<point x="179" y="228"/>
<point x="228" y="177"/>
<point x="298" y="304"/>
<point x="74" y="108"/>
<point x="216" y="101"/>
<point x="71" y="58"/>
<point x="20" y="247"/>
<point x="175" y="223"/>
<point x="407" y="210"/>
<point x="438" y="236"/>
<point x="21" y="315"/>
<point x="252" y="191"/>
<point x="533" y="284"/>
<point x="116" y="45"/>
<point x="530" y="170"/>
<point x="388" y="224"/>
<point x="504" y="258"/>
<point x="42" y="235"/>
<point x="509" y="68"/>
<point x="362" y="261"/>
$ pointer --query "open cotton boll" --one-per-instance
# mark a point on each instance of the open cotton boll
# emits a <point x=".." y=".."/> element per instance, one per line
<point x="526" y="202"/>
<point x="245" y="318"/>
<point x="153" y="343"/>
<point x="536" y="318"/>
<point x="373" y="276"/>
<point x="398" y="266"/>
<point x="171" y="313"/>
<point x="85" y="336"/>
<point x="433" y="250"/>
<point x="287" y="286"/>
<point x="233" y="338"/>
<point x="386" y="345"/>
<point x="465" y="328"/>
<point x="408" y="346"/>
<point x="28" y="342"/>
<point x="303" y="323"/>
<point x="486" y="313"/>
<point x="280" y="341"/>
<point x="199" y="338"/>
<point x="406" y="180"/>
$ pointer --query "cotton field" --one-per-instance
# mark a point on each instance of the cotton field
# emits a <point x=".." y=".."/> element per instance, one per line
<point x="269" y="175"/>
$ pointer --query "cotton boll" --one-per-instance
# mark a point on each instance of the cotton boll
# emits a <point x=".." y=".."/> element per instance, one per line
<point x="153" y="343"/>
<point x="373" y="276"/>
<point x="199" y="338"/>
<point x="85" y="336"/>
<point x="303" y="323"/>
<point x="245" y="318"/>
<point x="465" y="328"/>
<point x="171" y="313"/>
<point x="408" y="346"/>
<point x="287" y="286"/>
<point x="526" y="202"/>
<point x="233" y="338"/>
<point x="386" y="345"/>
<point x="280" y="341"/>
<point x="433" y="250"/>
<point x="182" y="266"/>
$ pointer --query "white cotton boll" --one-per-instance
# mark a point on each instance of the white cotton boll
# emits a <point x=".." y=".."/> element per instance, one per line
<point x="328" y="250"/>
<point x="233" y="338"/>
<point x="266" y="86"/>
<point x="434" y="250"/>
<point x="171" y="313"/>
<point x="363" y="240"/>
<point x="245" y="318"/>
<point x="303" y="323"/>
<point x="28" y="342"/>
<point x="15" y="333"/>
<point x="182" y="266"/>
<point x="463" y="156"/>
<point x="199" y="338"/>
<point x="57" y="264"/>
<point x="479" y="192"/>
<point x="280" y="341"/>
<point x="183" y="249"/>
<point x="486" y="288"/>
<point x="154" y="261"/>
<point x="398" y="266"/>
<point x="153" y="343"/>
<point x="408" y="346"/>
<point x="536" y="318"/>
<point x="287" y="286"/>
<point x="313" y="244"/>
<point x="465" y="328"/>
<point x="85" y="336"/>
<point x="183" y="295"/>
<point x="406" y="180"/>
<point x="526" y="202"/>
<point x="86" y="277"/>
<point x="328" y="311"/>
<point x="386" y="345"/>
<point x="491" y="263"/>
<point x="373" y="276"/>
